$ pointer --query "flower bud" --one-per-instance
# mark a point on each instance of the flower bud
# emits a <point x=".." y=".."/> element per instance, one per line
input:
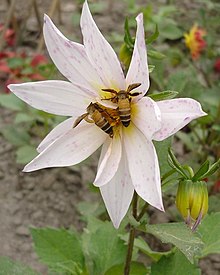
<point x="192" y="201"/>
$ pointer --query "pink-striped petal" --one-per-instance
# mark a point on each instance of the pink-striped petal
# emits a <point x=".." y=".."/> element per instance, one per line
<point x="53" y="96"/>
<point x="143" y="166"/>
<point x="175" y="114"/>
<point x="117" y="194"/>
<point x="138" y="70"/>
<point x="69" y="57"/>
<point x="71" y="148"/>
<point x="100" y="53"/>
<point x="56" y="133"/>
<point x="109" y="162"/>
<point x="146" y="116"/>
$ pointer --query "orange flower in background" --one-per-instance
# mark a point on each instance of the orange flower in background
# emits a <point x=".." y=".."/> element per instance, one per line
<point x="195" y="42"/>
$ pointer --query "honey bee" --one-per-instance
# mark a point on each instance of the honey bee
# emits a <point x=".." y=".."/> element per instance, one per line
<point x="96" y="114"/>
<point x="123" y="99"/>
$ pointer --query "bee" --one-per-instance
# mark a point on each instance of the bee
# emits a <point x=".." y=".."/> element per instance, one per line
<point x="123" y="99"/>
<point x="96" y="114"/>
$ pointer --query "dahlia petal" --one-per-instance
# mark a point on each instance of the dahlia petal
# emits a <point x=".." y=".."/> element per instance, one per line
<point x="175" y="114"/>
<point x="69" y="57"/>
<point x="56" y="133"/>
<point x="138" y="70"/>
<point x="53" y="96"/>
<point x="71" y="148"/>
<point x="117" y="194"/>
<point x="110" y="162"/>
<point x="100" y="52"/>
<point x="143" y="166"/>
<point x="146" y="116"/>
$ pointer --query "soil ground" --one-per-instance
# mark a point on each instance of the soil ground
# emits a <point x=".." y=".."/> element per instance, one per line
<point x="49" y="197"/>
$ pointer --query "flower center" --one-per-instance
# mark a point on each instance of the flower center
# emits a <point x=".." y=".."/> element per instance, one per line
<point x="106" y="118"/>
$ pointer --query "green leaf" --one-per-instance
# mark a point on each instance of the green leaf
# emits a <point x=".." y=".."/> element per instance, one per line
<point x="105" y="248"/>
<point x="162" y="153"/>
<point x="151" y="68"/>
<point x="170" y="31"/>
<point x="174" y="264"/>
<point x="212" y="169"/>
<point x="214" y="205"/>
<point x="9" y="267"/>
<point x="25" y="153"/>
<point x="155" y="55"/>
<point x="154" y="36"/>
<point x="177" y="81"/>
<point x="201" y="172"/>
<point x="136" y="268"/>
<point x="209" y="231"/>
<point x="142" y="245"/>
<point x="129" y="41"/>
<point x="15" y="136"/>
<point x="179" y="235"/>
<point x="12" y="102"/>
<point x="27" y="70"/>
<point x="15" y="62"/>
<point x="23" y="117"/>
<point x="87" y="209"/>
<point x="60" y="249"/>
<point x="163" y="95"/>
<point x="174" y="163"/>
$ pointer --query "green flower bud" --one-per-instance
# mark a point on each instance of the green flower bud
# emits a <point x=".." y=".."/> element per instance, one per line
<point x="192" y="201"/>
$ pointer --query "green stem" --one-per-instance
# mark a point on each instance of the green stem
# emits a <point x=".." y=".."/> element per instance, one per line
<point x="143" y="211"/>
<point x="131" y="238"/>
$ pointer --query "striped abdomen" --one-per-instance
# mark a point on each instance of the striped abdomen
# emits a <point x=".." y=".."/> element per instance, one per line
<point x="102" y="123"/>
<point x="124" y="110"/>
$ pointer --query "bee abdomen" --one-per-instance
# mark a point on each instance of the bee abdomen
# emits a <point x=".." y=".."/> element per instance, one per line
<point x="105" y="126"/>
<point x="125" y="116"/>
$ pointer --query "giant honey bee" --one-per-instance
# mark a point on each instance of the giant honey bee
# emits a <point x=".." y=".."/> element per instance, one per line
<point x="123" y="99"/>
<point x="97" y="115"/>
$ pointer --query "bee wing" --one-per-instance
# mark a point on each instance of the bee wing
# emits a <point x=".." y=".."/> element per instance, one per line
<point x="79" y="119"/>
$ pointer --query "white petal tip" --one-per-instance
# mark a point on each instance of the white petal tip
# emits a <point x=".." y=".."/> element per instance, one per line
<point x="139" y="17"/>
<point x="203" y="114"/>
<point x="116" y="224"/>
<point x="160" y="207"/>
<point x="11" y="86"/>
<point x="46" y="17"/>
<point x="25" y="170"/>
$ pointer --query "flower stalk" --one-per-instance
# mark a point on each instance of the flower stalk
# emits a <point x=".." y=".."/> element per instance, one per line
<point x="131" y="236"/>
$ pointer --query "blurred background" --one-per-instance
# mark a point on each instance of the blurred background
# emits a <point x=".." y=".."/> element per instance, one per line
<point x="184" y="56"/>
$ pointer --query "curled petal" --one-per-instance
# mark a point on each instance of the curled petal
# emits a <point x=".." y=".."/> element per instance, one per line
<point x="56" y="133"/>
<point x="109" y="161"/>
<point x="143" y="166"/>
<point x="138" y="70"/>
<point x="100" y="52"/>
<point x="53" y="96"/>
<point x="71" y="148"/>
<point x="175" y="114"/>
<point x="117" y="194"/>
<point x="69" y="57"/>
<point x="146" y="116"/>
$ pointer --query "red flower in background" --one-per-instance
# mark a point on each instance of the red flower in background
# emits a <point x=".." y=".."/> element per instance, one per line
<point x="9" y="36"/>
<point x="38" y="59"/>
<point x="195" y="42"/>
<point x="216" y="186"/>
<point x="14" y="68"/>
<point x="217" y="65"/>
